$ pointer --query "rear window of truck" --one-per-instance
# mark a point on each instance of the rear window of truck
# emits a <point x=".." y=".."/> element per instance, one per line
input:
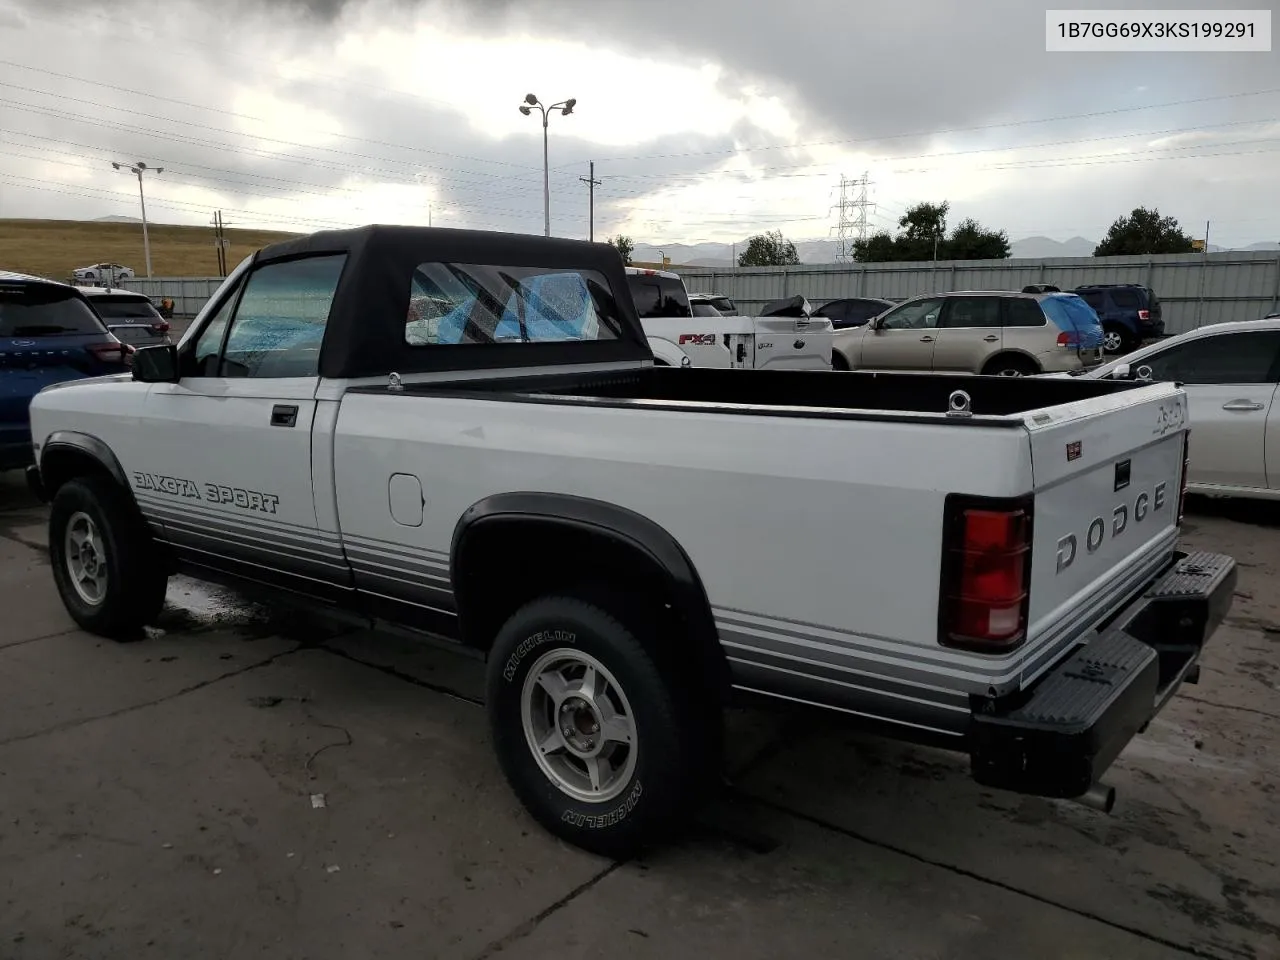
<point x="656" y="296"/>
<point x="454" y="304"/>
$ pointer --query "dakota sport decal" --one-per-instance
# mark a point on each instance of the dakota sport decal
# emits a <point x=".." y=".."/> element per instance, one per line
<point x="208" y="492"/>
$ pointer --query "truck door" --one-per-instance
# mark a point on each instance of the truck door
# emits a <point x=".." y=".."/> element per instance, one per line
<point x="226" y="465"/>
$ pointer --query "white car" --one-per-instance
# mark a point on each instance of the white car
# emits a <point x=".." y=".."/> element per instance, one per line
<point x="99" y="272"/>
<point x="986" y="563"/>
<point x="1230" y="372"/>
<point x="685" y="331"/>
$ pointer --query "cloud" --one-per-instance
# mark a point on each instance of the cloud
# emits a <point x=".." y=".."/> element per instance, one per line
<point x="704" y="120"/>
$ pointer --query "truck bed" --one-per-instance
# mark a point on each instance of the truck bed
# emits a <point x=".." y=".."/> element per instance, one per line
<point x="782" y="392"/>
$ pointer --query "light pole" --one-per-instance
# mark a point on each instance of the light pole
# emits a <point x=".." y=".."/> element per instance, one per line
<point x="138" y="169"/>
<point x="565" y="107"/>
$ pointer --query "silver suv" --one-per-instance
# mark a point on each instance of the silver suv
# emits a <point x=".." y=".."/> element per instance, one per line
<point x="990" y="332"/>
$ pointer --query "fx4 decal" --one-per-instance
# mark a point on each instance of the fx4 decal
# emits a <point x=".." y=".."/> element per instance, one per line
<point x="210" y="492"/>
<point x="698" y="339"/>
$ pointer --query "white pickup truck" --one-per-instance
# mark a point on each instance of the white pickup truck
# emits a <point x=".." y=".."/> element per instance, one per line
<point x="689" y="332"/>
<point x="990" y="564"/>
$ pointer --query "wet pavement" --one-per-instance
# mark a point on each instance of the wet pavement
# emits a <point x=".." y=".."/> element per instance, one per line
<point x="243" y="783"/>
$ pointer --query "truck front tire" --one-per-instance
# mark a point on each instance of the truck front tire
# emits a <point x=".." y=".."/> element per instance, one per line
<point x="105" y="564"/>
<point x="595" y="741"/>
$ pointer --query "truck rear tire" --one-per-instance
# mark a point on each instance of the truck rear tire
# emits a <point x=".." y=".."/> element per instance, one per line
<point x="595" y="741"/>
<point x="107" y="569"/>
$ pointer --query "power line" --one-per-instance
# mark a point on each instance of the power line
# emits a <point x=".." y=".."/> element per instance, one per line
<point x="229" y="113"/>
<point x="936" y="133"/>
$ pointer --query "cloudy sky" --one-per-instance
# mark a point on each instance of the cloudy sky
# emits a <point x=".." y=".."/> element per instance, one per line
<point x="706" y="119"/>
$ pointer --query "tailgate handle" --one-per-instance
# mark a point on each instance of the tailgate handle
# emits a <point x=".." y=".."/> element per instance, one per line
<point x="1242" y="405"/>
<point x="284" y="415"/>
<point x="926" y="339"/>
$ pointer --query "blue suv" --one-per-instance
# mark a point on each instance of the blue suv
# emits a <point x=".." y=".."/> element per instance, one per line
<point x="1130" y="313"/>
<point x="48" y="333"/>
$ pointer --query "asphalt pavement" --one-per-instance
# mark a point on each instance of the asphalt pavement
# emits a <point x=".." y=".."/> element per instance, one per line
<point x="241" y="784"/>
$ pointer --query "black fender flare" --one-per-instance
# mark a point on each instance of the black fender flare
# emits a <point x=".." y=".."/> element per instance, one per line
<point x="87" y="445"/>
<point x="639" y="535"/>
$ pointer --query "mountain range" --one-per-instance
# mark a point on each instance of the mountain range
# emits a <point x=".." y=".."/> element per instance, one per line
<point x="824" y="251"/>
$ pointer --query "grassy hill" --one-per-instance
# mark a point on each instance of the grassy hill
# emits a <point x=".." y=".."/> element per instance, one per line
<point x="52" y="248"/>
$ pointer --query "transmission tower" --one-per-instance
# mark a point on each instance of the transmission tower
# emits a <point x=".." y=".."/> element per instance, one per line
<point x="852" y="223"/>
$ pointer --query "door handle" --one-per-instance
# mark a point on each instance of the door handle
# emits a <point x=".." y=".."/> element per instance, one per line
<point x="1242" y="405"/>
<point x="284" y="415"/>
<point x="991" y="339"/>
<point x="926" y="339"/>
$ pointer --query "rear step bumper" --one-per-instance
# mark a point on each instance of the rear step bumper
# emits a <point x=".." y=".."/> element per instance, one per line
<point x="1059" y="737"/>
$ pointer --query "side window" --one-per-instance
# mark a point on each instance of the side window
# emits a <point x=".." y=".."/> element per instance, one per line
<point x="918" y="315"/>
<point x="452" y="304"/>
<point x="204" y="361"/>
<point x="1094" y="299"/>
<point x="1125" y="299"/>
<point x="279" y="325"/>
<point x="860" y="311"/>
<point x="970" y="312"/>
<point x="1023" y="312"/>
<point x="836" y="311"/>
<point x="1226" y="358"/>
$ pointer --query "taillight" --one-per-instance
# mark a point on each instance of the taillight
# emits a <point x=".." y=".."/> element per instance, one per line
<point x="1068" y="339"/>
<point x="1186" y="468"/>
<point x="161" y="327"/>
<point x="1144" y="314"/>
<point x="986" y="573"/>
<point x="116" y="352"/>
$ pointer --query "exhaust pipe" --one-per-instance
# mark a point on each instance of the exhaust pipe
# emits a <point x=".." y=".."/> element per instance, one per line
<point x="1100" y="796"/>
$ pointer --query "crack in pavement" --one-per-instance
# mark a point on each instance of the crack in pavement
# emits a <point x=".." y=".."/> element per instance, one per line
<point x="23" y="541"/>
<point x="532" y="924"/>
<point x="46" y="636"/>
<point x="406" y="677"/>
<point x="81" y="721"/>
<point x="972" y="875"/>
<point x="1231" y="706"/>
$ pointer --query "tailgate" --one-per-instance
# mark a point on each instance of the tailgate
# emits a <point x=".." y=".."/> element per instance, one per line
<point x="1107" y="475"/>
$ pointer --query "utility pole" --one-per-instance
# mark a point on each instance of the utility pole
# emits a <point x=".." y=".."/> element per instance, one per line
<point x="220" y="241"/>
<point x="591" y="182"/>
<point x="850" y="227"/>
<point x="1204" y="267"/>
<point x="138" y="169"/>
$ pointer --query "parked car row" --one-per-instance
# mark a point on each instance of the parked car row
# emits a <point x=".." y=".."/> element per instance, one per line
<point x="464" y="436"/>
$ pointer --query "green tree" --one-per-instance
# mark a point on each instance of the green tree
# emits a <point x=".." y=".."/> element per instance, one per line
<point x="922" y="235"/>
<point x="625" y="247"/>
<point x="878" y="248"/>
<point x="769" y="250"/>
<point x="972" y="241"/>
<point x="1144" y="231"/>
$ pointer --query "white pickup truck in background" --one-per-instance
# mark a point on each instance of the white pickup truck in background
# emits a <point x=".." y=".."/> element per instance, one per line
<point x="987" y="564"/>
<point x="684" y="331"/>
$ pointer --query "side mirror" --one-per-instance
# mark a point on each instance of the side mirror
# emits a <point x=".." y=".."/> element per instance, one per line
<point x="1144" y="372"/>
<point x="157" y="364"/>
<point x="1121" y="372"/>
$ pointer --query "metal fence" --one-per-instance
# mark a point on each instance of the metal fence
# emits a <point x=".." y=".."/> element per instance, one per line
<point x="188" y="294"/>
<point x="1195" y="289"/>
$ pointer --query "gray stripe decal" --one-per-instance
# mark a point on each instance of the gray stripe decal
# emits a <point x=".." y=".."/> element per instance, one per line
<point x="858" y="713"/>
<point x="871" y="682"/>
<point x="187" y="508"/>
<point x="388" y="546"/>
<point x="182" y="536"/>
<point x="270" y="541"/>
<point x="420" y="567"/>
<point x="413" y="603"/>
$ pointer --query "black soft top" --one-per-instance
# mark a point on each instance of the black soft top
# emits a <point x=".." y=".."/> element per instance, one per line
<point x="365" y="333"/>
